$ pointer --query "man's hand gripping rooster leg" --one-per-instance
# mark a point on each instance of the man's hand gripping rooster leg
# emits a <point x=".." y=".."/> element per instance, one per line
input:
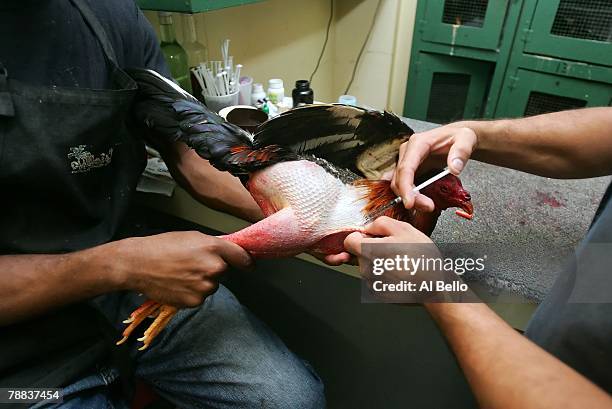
<point x="173" y="270"/>
<point x="187" y="270"/>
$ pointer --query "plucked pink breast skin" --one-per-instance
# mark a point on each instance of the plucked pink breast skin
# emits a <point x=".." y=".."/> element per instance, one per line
<point x="301" y="204"/>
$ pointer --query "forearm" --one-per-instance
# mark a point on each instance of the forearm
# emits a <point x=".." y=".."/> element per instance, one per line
<point x="216" y="189"/>
<point x="33" y="284"/>
<point x="571" y="144"/>
<point x="505" y="370"/>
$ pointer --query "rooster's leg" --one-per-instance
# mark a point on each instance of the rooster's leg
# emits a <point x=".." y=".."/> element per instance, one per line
<point x="162" y="314"/>
<point x="278" y="235"/>
<point x="275" y="236"/>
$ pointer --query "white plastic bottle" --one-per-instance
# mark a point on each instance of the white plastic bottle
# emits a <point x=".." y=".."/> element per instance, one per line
<point x="258" y="94"/>
<point x="276" y="92"/>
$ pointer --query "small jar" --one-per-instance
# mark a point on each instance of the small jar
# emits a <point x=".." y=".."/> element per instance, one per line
<point x="258" y="94"/>
<point x="302" y="94"/>
<point x="276" y="92"/>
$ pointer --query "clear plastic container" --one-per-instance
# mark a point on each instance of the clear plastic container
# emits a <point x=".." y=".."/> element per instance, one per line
<point x="245" y="85"/>
<point x="347" y="100"/>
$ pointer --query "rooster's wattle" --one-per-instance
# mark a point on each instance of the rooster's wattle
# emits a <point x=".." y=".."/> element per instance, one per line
<point x="300" y="167"/>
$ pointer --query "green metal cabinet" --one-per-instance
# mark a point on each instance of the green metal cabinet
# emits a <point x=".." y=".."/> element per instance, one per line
<point x="578" y="30"/>
<point x="475" y="23"/>
<point x="454" y="88"/>
<point x="467" y="43"/>
<point x="533" y="93"/>
<point x="561" y="59"/>
<point x="526" y="56"/>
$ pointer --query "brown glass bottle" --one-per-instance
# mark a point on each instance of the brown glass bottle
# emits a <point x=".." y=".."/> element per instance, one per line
<point x="302" y="94"/>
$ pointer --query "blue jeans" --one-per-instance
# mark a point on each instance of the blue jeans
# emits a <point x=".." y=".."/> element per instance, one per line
<point x="217" y="355"/>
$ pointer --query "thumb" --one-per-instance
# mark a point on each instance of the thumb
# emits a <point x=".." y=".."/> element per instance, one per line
<point x="461" y="150"/>
<point x="352" y="242"/>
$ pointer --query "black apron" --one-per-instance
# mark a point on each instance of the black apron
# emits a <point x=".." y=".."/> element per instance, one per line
<point x="68" y="168"/>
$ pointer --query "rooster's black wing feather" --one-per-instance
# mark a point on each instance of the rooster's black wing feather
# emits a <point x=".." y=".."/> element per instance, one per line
<point x="334" y="132"/>
<point x="171" y="114"/>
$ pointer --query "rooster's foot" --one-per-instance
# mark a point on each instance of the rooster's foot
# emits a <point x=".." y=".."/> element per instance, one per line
<point x="162" y="314"/>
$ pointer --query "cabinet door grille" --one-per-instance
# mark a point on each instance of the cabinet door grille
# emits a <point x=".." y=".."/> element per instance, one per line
<point x="584" y="19"/>
<point x="465" y="12"/>
<point x="542" y="103"/>
<point x="448" y="97"/>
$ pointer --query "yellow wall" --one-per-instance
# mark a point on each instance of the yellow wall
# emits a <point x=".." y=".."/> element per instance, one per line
<point x="283" y="38"/>
<point x="380" y="80"/>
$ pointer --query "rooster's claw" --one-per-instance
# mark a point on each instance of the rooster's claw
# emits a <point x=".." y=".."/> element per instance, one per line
<point x="162" y="314"/>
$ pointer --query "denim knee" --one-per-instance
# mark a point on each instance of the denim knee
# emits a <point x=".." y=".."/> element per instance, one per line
<point x="293" y="389"/>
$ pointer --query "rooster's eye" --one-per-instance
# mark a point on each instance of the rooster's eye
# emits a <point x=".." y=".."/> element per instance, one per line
<point x="444" y="189"/>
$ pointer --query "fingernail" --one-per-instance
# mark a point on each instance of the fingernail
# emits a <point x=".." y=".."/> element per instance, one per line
<point x="458" y="164"/>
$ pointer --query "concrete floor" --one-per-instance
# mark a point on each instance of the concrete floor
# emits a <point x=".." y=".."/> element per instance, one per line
<point x="534" y="221"/>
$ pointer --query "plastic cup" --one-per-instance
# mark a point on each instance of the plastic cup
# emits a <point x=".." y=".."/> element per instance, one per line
<point x="217" y="103"/>
<point x="245" y="86"/>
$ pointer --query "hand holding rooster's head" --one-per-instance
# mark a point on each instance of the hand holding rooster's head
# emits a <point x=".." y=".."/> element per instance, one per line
<point x="451" y="144"/>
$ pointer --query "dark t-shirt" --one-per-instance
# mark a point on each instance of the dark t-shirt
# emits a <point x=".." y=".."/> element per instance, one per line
<point x="48" y="43"/>
<point x="574" y="322"/>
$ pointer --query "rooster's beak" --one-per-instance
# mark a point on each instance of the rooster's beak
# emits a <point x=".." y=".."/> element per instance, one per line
<point x="466" y="211"/>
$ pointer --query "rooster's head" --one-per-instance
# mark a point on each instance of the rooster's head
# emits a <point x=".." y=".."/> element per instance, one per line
<point x="449" y="192"/>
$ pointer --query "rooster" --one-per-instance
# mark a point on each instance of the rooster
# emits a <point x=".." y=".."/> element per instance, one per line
<point x="302" y="169"/>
